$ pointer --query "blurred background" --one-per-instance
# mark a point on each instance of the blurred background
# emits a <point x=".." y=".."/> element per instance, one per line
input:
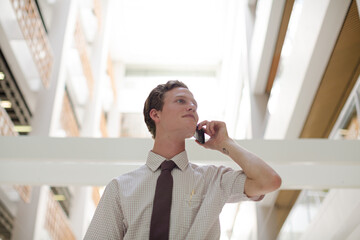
<point x="271" y="69"/>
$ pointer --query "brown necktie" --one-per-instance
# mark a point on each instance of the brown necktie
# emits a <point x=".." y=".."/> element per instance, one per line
<point x="160" y="218"/>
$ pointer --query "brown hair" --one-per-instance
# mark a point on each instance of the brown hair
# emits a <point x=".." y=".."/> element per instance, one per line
<point x="155" y="100"/>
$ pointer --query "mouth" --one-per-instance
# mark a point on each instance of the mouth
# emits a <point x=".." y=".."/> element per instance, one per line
<point x="189" y="116"/>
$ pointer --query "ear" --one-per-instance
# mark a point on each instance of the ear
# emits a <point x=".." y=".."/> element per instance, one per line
<point x="155" y="115"/>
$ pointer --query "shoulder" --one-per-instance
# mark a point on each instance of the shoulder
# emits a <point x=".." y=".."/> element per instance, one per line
<point x="209" y="168"/>
<point x="212" y="170"/>
<point x="131" y="177"/>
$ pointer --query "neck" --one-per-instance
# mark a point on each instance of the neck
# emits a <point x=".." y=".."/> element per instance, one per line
<point x="167" y="147"/>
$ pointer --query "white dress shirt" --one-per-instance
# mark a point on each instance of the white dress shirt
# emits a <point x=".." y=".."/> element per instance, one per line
<point x="199" y="194"/>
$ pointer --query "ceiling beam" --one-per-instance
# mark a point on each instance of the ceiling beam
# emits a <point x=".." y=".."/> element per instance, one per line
<point x="279" y="44"/>
<point x="272" y="219"/>
<point x="340" y="76"/>
<point x="304" y="68"/>
<point x="269" y="18"/>
<point x="310" y="163"/>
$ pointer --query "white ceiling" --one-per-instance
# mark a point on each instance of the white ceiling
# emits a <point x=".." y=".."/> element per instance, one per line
<point x="186" y="36"/>
<point x="167" y="32"/>
<point x="163" y="40"/>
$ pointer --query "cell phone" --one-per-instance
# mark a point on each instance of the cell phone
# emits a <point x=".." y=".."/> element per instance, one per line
<point x="200" y="135"/>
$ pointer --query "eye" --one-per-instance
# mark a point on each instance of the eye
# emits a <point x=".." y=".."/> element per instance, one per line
<point x="180" y="100"/>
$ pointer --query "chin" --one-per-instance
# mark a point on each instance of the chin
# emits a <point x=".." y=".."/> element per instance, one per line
<point x="188" y="130"/>
<point x="190" y="134"/>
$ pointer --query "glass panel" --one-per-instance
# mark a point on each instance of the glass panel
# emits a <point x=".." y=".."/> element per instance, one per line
<point x="349" y="128"/>
<point x="301" y="215"/>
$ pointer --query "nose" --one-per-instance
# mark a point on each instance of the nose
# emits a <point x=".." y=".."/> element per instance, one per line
<point x="192" y="107"/>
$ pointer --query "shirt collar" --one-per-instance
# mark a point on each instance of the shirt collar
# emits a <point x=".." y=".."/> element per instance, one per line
<point x="154" y="160"/>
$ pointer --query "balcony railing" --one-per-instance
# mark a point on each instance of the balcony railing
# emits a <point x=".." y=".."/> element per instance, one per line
<point x="97" y="11"/>
<point x="103" y="125"/>
<point x="6" y="125"/>
<point x="68" y="119"/>
<point x="95" y="195"/>
<point x="24" y="192"/>
<point x="81" y="46"/>
<point x="56" y="222"/>
<point x="353" y="130"/>
<point x="110" y="72"/>
<point x="34" y="33"/>
<point x="7" y="129"/>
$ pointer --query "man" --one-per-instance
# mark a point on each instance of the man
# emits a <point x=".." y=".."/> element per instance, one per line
<point x="198" y="193"/>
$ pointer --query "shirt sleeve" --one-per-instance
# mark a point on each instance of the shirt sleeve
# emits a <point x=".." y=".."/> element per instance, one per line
<point x="232" y="182"/>
<point x="107" y="222"/>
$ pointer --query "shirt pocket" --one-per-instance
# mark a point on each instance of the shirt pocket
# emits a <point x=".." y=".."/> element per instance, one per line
<point x="191" y="205"/>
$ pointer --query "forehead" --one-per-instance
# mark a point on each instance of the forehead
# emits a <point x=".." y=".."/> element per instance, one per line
<point x="179" y="92"/>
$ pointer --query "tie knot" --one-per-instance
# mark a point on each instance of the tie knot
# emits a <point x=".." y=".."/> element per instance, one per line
<point x="167" y="165"/>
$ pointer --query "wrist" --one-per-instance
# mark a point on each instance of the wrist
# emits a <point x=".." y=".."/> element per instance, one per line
<point x="226" y="146"/>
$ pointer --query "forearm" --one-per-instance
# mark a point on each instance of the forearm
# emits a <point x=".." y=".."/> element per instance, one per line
<point x="261" y="178"/>
<point x="254" y="167"/>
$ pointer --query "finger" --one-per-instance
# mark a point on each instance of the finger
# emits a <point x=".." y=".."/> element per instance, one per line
<point x="201" y="124"/>
<point x="212" y="127"/>
<point x="209" y="144"/>
<point x="202" y="144"/>
<point x="208" y="129"/>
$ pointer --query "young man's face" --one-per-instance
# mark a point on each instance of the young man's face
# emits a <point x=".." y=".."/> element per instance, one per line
<point x="179" y="113"/>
